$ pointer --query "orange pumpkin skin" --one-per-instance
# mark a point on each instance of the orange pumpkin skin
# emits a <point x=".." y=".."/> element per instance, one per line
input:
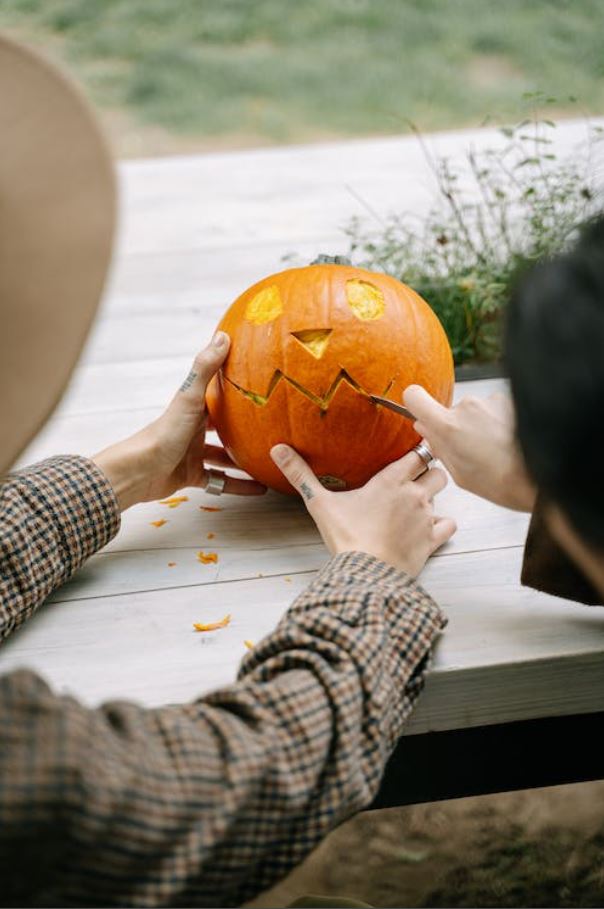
<point x="308" y="345"/>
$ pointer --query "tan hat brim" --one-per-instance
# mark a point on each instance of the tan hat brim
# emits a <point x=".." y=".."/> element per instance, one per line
<point x="57" y="214"/>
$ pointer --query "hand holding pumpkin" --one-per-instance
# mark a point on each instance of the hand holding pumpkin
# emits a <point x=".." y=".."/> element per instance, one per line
<point x="476" y="443"/>
<point x="390" y="517"/>
<point x="171" y="453"/>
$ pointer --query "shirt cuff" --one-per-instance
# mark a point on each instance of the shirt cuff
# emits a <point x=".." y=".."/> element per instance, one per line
<point x="362" y="568"/>
<point x="75" y="494"/>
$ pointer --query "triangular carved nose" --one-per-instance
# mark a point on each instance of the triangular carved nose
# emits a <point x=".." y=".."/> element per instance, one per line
<point x="315" y="340"/>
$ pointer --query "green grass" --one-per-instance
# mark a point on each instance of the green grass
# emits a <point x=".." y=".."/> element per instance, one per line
<point x="295" y="70"/>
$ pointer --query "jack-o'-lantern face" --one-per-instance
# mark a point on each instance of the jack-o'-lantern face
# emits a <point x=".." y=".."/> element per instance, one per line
<point x="308" y="347"/>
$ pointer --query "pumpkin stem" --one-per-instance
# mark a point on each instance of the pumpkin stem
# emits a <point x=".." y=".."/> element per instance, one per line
<point x="331" y="260"/>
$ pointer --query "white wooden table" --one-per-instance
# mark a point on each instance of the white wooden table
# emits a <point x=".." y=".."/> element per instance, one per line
<point x="195" y="232"/>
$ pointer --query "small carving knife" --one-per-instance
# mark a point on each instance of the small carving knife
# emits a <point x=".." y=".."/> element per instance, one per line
<point x="392" y="405"/>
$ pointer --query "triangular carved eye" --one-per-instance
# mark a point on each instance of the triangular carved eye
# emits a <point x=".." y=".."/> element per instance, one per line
<point x="315" y="340"/>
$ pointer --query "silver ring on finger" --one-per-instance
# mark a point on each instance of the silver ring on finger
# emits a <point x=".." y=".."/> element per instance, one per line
<point x="424" y="453"/>
<point x="215" y="482"/>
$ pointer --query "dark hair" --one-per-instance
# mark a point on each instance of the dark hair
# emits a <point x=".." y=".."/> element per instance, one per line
<point x="554" y="351"/>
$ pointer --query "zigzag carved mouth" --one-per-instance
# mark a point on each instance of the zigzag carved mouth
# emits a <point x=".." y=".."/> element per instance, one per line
<point x="322" y="401"/>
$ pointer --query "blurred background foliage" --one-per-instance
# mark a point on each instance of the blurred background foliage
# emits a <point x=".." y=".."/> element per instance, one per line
<point x="172" y="76"/>
<point x="516" y="203"/>
<point x="233" y="73"/>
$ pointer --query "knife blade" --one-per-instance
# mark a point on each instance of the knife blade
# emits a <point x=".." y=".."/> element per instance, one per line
<point x="392" y="405"/>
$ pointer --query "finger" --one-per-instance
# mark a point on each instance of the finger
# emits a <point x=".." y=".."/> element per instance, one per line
<point x="409" y="467"/>
<point x="504" y="404"/>
<point x="433" y="481"/>
<point x="237" y="487"/>
<point x="218" y="457"/>
<point x="429" y="413"/>
<point x="207" y="362"/>
<point x="443" y="530"/>
<point x="295" y="469"/>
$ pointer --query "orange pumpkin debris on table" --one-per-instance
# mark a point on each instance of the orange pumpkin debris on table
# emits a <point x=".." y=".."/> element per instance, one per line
<point x="308" y="347"/>
<point x="206" y="557"/>
<point x="175" y="501"/>
<point x="213" y="626"/>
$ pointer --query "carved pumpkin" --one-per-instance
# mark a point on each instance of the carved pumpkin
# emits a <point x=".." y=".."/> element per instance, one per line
<point x="308" y="345"/>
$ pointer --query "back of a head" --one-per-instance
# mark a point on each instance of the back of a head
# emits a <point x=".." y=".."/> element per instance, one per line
<point x="555" y="359"/>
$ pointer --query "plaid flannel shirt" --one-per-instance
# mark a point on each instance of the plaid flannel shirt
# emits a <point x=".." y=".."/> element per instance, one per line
<point x="210" y="802"/>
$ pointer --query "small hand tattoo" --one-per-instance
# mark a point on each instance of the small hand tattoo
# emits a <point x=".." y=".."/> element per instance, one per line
<point x="189" y="380"/>
<point x="306" y="491"/>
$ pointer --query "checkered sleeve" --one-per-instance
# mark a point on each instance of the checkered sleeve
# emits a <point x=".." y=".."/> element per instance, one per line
<point x="53" y="516"/>
<point x="209" y="803"/>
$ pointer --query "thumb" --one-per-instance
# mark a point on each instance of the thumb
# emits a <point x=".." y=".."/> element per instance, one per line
<point x="296" y="470"/>
<point x="428" y="412"/>
<point x="207" y="362"/>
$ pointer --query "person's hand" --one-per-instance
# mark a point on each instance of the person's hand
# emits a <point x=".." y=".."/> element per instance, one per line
<point x="391" y="517"/>
<point x="476" y="442"/>
<point x="171" y="453"/>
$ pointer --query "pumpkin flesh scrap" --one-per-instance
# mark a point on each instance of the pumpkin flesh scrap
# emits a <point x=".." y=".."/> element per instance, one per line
<point x="213" y="626"/>
<point x="175" y="501"/>
<point x="206" y="557"/>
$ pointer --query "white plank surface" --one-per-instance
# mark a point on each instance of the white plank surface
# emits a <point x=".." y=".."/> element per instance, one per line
<point x="507" y="653"/>
<point x="284" y="196"/>
<point x="194" y="233"/>
<point x="271" y="536"/>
